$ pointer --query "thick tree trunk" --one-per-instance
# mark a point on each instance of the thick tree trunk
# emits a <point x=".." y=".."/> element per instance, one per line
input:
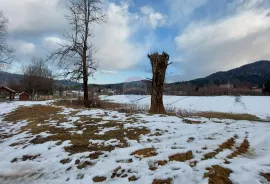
<point x="159" y="65"/>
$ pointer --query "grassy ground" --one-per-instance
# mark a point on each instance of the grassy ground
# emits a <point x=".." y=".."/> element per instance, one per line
<point x="100" y="133"/>
<point x="47" y="119"/>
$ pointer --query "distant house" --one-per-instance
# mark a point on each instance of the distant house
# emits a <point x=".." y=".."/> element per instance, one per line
<point x="6" y="93"/>
<point x="24" y="96"/>
<point x="256" y="90"/>
<point x="227" y="86"/>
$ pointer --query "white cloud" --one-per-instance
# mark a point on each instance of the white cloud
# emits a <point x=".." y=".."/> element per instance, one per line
<point x="23" y="48"/>
<point x="34" y="15"/>
<point x="229" y="29"/>
<point x="182" y="9"/>
<point x="146" y="10"/>
<point x="28" y="48"/>
<point x="107" y="72"/>
<point x="155" y="19"/>
<point x="227" y="43"/>
<point x="52" y="42"/>
<point x="114" y="40"/>
<point x="116" y="48"/>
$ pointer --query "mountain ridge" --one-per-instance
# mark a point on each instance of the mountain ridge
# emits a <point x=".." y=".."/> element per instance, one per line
<point x="254" y="73"/>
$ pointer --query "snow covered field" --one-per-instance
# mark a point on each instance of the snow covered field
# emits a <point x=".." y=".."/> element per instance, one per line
<point x="87" y="146"/>
<point x="256" y="105"/>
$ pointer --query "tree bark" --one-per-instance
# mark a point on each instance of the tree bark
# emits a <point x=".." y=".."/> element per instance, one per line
<point x="159" y="65"/>
<point x="85" y="82"/>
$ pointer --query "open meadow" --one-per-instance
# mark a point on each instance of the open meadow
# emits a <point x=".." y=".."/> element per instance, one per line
<point x="42" y="142"/>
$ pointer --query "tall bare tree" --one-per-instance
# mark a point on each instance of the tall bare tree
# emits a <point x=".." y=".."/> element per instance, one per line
<point x="6" y="53"/>
<point x="76" y="56"/>
<point x="159" y="65"/>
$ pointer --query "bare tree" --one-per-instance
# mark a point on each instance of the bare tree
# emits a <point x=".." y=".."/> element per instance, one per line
<point x="38" y="78"/>
<point x="6" y="53"/>
<point x="76" y="56"/>
<point x="159" y="66"/>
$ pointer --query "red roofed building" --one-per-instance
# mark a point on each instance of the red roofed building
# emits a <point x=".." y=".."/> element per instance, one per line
<point x="6" y="92"/>
<point x="24" y="96"/>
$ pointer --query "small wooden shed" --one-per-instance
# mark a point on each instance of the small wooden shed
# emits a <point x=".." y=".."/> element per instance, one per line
<point x="7" y="92"/>
<point x="24" y="96"/>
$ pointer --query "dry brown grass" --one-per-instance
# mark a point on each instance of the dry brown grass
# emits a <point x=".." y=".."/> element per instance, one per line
<point x="132" y="178"/>
<point x="98" y="179"/>
<point x="240" y="150"/>
<point x="159" y="181"/>
<point x="218" y="175"/>
<point x="144" y="153"/>
<point x="78" y="104"/>
<point x="226" y="145"/>
<point x="70" y="103"/>
<point x="161" y="162"/>
<point x="39" y="118"/>
<point x="181" y="157"/>
<point x="266" y="176"/>
<point x="36" y="113"/>
<point x="220" y="115"/>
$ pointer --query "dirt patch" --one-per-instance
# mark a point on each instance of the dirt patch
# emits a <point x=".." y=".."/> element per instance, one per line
<point x="26" y="157"/>
<point x="190" y="139"/>
<point x="30" y="157"/>
<point x="144" y="153"/>
<point x="98" y="179"/>
<point x="65" y="161"/>
<point x="121" y="173"/>
<point x="115" y="172"/>
<point x="161" y="162"/>
<point x="84" y="165"/>
<point x="240" y="150"/>
<point x="152" y="168"/>
<point x="132" y="178"/>
<point x="193" y="163"/>
<point x="23" y="142"/>
<point x="159" y="181"/>
<point x="266" y="176"/>
<point x="181" y="157"/>
<point x="155" y="165"/>
<point x="226" y="145"/>
<point x="218" y="175"/>
<point x="95" y="155"/>
<point x="125" y="161"/>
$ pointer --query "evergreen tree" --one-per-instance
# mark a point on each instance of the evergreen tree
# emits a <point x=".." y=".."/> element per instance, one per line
<point x="266" y="88"/>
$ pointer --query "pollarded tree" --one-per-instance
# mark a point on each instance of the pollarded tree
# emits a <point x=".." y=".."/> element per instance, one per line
<point x="159" y="66"/>
<point x="76" y="56"/>
<point x="6" y="53"/>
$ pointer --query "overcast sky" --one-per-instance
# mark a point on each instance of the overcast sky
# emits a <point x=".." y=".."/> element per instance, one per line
<point x="201" y="36"/>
